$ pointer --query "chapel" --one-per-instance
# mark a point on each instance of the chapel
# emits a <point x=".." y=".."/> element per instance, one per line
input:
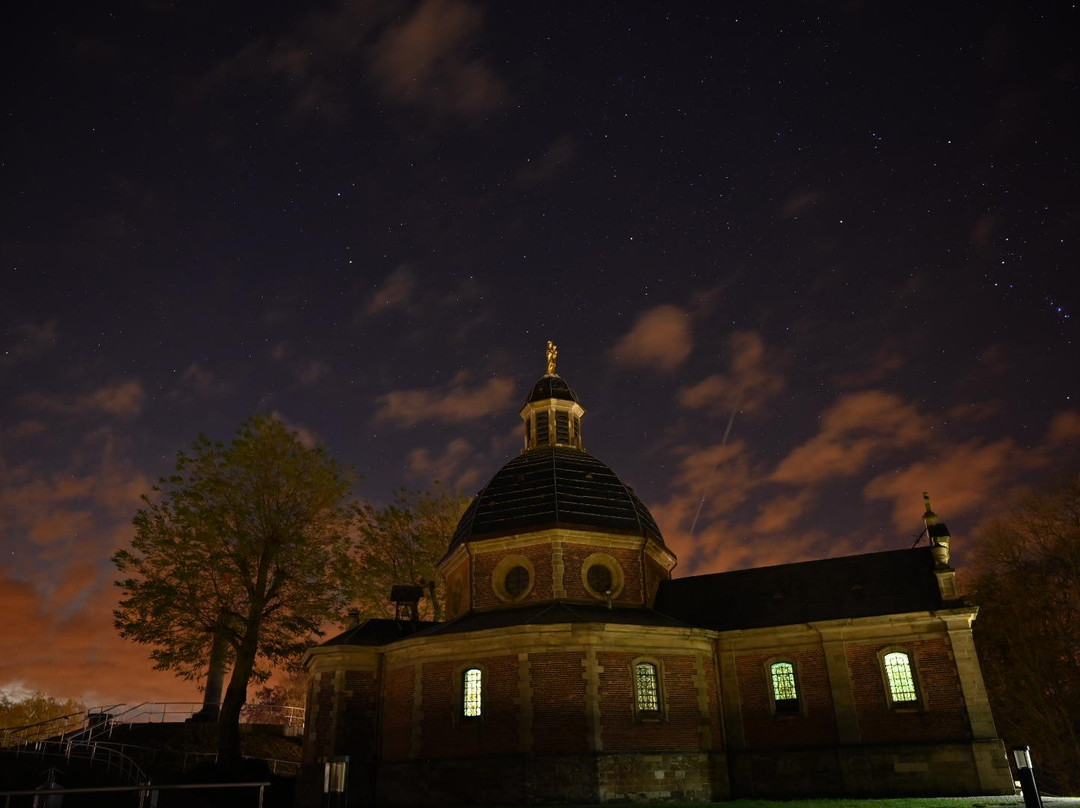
<point x="572" y="668"/>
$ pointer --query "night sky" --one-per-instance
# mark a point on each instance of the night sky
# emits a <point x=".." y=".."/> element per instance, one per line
<point x="854" y="226"/>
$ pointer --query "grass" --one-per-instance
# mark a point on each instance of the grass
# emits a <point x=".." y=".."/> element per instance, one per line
<point x="842" y="802"/>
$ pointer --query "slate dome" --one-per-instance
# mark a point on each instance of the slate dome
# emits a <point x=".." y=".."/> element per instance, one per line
<point x="555" y="487"/>
<point x="551" y="386"/>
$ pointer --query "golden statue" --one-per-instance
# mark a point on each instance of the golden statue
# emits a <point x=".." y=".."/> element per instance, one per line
<point x="552" y="357"/>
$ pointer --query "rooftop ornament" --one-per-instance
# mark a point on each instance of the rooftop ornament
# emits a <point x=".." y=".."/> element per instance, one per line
<point x="552" y="357"/>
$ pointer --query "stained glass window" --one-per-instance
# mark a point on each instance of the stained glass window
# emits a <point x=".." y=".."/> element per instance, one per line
<point x="471" y="693"/>
<point x="783" y="685"/>
<point x="901" y="682"/>
<point x="648" y="688"/>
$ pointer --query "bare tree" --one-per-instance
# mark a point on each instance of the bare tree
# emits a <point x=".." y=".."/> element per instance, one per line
<point x="1028" y="631"/>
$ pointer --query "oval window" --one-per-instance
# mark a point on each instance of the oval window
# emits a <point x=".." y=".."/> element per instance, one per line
<point x="516" y="581"/>
<point x="599" y="578"/>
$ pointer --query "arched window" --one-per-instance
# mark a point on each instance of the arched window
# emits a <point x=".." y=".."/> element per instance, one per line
<point x="899" y="675"/>
<point x="784" y="690"/>
<point x="646" y="688"/>
<point x="471" y="683"/>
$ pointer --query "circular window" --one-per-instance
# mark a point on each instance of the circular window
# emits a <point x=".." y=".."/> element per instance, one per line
<point x="599" y="578"/>
<point x="513" y="578"/>
<point x="602" y="576"/>
<point x="516" y="581"/>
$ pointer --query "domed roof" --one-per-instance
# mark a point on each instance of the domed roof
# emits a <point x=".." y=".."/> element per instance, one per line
<point x="551" y="386"/>
<point x="554" y="487"/>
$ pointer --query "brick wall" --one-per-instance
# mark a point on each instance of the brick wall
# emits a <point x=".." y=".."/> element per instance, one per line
<point x="814" y="725"/>
<point x="484" y="564"/>
<point x="445" y="732"/>
<point x="558" y="686"/>
<point x="398" y="690"/>
<point x="319" y="742"/>
<point x="358" y="711"/>
<point x="941" y="714"/>
<point x="574" y="556"/>
<point x="681" y="725"/>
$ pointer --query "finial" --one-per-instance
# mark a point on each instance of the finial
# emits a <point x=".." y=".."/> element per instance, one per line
<point x="552" y="357"/>
<point x="929" y="515"/>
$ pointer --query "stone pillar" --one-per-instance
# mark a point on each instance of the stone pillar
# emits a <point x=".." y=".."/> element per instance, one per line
<point x="415" y="736"/>
<point x="591" y="675"/>
<point x="991" y="764"/>
<point x="836" y="665"/>
<point x="525" y="704"/>
<point x="701" y="684"/>
<point x="729" y="692"/>
<point x="851" y="757"/>
<point x="558" y="570"/>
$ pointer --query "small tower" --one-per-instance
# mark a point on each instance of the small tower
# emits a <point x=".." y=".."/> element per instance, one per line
<point x="938" y="535"/>
<point x="552" y="414"/>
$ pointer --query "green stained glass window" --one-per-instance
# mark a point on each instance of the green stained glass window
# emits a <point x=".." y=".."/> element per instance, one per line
<point x="648" y="687"/>
<point x="783" y="682"/>
<point x="471" y="683"/>
<point x="901" y="682"/>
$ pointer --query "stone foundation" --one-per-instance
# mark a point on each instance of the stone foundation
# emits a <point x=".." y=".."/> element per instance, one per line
<point x="878" y="770"/>
<point x="554" y="779"/>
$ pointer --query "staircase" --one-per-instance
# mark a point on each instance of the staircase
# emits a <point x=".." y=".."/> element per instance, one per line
<point x="88" y="737"/>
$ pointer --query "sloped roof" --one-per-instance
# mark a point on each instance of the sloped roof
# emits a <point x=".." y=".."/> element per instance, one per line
<point x="551" y="614"/>
<point x="379" y="631"/>
<point x="891" y="582"/>
<point x="554" y="486"/>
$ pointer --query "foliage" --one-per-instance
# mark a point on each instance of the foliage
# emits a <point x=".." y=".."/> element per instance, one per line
<point x="401" y="544"/>
<point x="251" y="538"/>
<point x="35" y="708"/>
<point x="1028" y="630"/>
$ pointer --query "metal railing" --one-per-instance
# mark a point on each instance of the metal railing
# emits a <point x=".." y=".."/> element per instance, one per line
<point x="144" y="790"/>
<point x="185" y="760"/>
<point x="55" y="728"/>
<point x="85" y="735"/>
<point x="94" y="754"/>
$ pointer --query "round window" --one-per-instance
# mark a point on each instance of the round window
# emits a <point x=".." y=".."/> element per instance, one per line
<point x="516" y="581"/>
<point x="599" y="578"/>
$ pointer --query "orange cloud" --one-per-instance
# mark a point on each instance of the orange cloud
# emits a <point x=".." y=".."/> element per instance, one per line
<point x="660" y="338"/>
<point x="123" y="399"/>
<point x="960" y="479"/>
<point x="427" y="61"/>
<point x="749" y="383"/>
<point x="856" y="428"/>
<point x="28" y="341"/>
<point x="200" y="382"/>
<point x="454" y="404"/>
<point x="1064" y="429"/>
<point x="396" y="291"/>
<point x="67" y="645"/>
<point x="450" y="466"/>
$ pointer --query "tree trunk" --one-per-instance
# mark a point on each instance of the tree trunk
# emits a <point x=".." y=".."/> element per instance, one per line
<point x="235" y="696"/>
<point x="215" y="676"/>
